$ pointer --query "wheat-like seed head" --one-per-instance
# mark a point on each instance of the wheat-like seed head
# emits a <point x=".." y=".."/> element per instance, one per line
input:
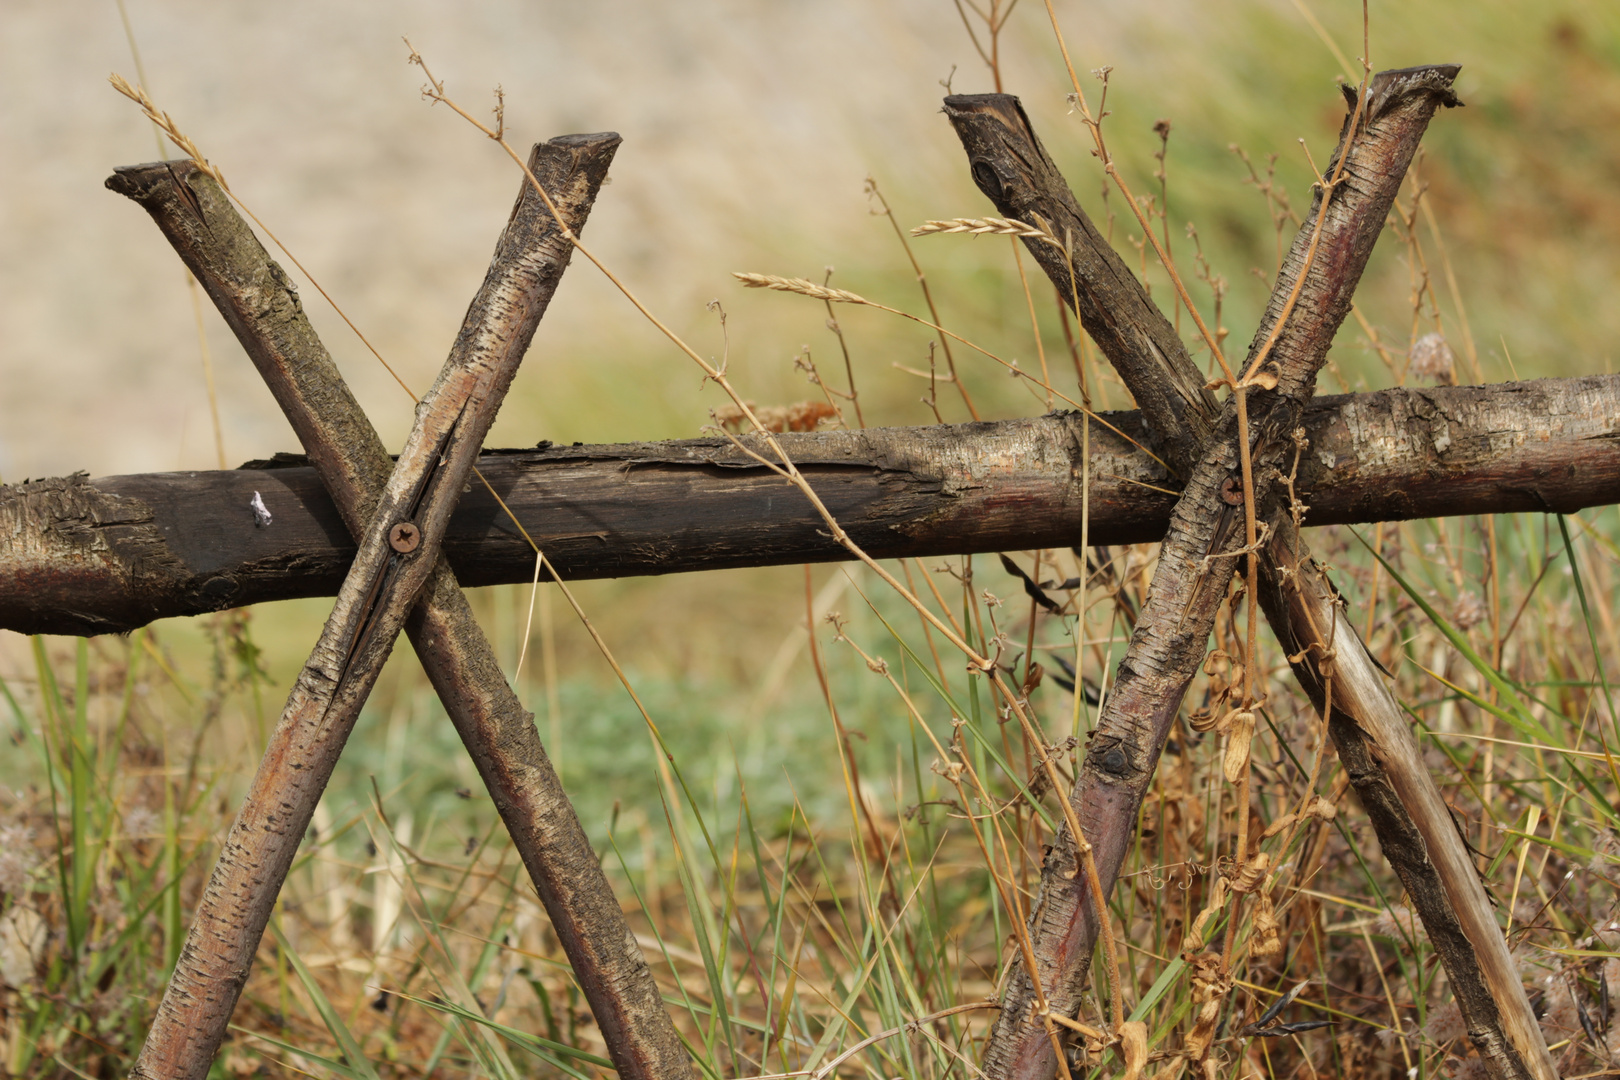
<point x="981" y="226"/>
<point x="167" y="126"/>
<point x="800" y="286"/>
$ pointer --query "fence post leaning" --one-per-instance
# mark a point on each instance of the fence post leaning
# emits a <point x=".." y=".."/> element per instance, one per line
<point x="258" y="302"/>
<point x="1386" y="767"/>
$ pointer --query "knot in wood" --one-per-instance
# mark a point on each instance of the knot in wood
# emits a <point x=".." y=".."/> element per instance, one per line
<point x="1114" y="762"/>
<point x="984" y="175"/>
<point x="404" y="537"/>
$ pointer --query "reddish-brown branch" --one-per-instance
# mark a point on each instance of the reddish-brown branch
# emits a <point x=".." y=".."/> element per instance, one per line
<point x="1014" y="171"/>
<point x="258" y="303"/>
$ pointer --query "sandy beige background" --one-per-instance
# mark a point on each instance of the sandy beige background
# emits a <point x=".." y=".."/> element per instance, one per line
<point x="748" y="130"/>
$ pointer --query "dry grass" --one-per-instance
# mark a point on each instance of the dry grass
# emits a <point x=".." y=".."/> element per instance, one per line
<point x="788" y="933"/>
<point x="831" y="876"/>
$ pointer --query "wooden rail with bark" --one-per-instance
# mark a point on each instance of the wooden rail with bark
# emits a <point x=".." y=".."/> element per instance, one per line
<point x="1381" y="754"/>
<point x="85" y="557"/>
<point x="108" y="555"/>
<point x="401" y="520"/>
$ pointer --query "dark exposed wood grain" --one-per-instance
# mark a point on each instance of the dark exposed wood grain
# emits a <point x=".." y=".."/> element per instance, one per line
<point x="1002" y="147"/>
<point x="108" y="555"/>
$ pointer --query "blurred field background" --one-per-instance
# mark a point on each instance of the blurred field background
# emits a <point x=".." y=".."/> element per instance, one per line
<point x="750" y="130"/>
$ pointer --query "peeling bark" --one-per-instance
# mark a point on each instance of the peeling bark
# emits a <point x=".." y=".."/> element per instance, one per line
<point x="1175" y="626"/>
<point x="103" y="556"/>
<point x="424" y="487"/>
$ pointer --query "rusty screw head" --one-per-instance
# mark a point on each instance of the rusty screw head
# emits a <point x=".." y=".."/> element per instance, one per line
<point x="404" y="537"/>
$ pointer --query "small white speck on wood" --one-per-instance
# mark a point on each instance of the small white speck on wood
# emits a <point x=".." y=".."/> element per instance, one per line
<point x="261" y="512"/>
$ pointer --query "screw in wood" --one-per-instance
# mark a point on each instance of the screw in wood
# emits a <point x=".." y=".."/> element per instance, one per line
<point x="404" y="537"/>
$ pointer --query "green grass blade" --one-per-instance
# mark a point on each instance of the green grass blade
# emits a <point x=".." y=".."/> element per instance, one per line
<point x="358" y="1065"/>
<point x="51" y="699"/>
<point x="1586" y="617"/>
<point x="980" y="742"/>
<point x="1518" y="713"/>
<point x="337" y="1067"/>
<point x="547" y="1050"/>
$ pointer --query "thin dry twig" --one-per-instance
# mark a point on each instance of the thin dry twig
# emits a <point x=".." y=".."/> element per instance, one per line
<point x="928" y="297"/>
<point x="435" y="92"/>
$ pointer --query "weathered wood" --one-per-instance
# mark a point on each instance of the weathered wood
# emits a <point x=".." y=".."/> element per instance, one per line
<point x="424" y="487"/>
<point x="1015" y="172"/>
<point x="499" y="733"/>
<point x="99" y="556"/>
<point x="1020" y="178"/>
<point x="1415" y="829"/>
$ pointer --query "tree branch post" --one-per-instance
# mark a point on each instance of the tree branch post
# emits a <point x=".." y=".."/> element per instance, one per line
<point x="394" y="568"/>
<point x="1014" y="171"/>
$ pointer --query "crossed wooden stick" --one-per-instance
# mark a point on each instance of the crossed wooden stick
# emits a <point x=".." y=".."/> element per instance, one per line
<point x="399" y="580"/>
<point x="398" y="513"/>
<point x="1211" y="447"/>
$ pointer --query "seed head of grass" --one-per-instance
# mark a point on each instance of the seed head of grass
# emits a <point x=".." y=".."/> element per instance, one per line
<point x="800" y="286"/>
<point x="166" y="125"/>
<point x="982" y="226"/>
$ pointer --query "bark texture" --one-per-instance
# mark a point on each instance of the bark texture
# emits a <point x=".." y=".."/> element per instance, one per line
<point x="1415" y="828"/>
<point x="260" y="305"/>
<point x="1018" y="176"/>
<point x="1014" y="171"/>
<point x="100" y="556"/>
